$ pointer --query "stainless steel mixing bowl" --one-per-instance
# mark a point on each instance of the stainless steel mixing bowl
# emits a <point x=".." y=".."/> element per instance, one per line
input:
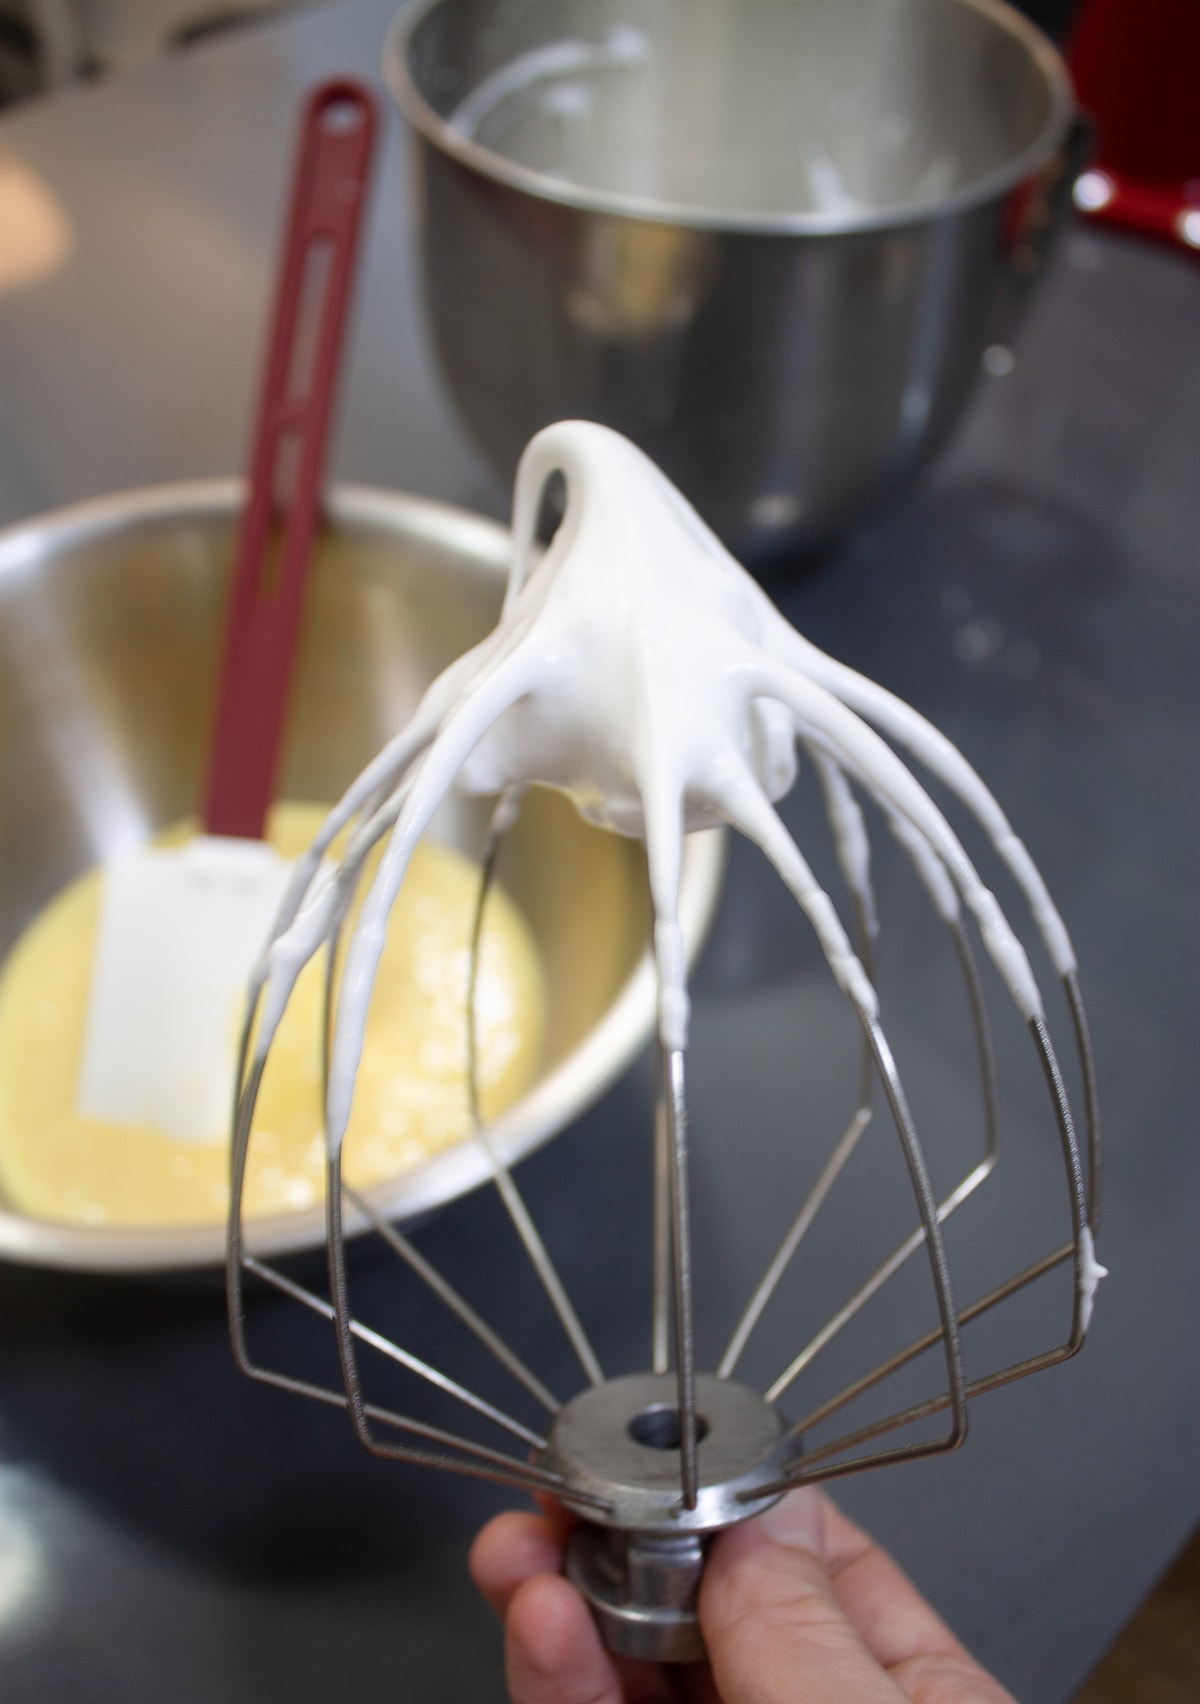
<point x="109" y="616"/>
<point x="764" y="238"/>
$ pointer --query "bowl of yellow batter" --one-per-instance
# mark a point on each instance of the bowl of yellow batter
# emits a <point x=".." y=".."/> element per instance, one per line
<point x="109" y="621"/>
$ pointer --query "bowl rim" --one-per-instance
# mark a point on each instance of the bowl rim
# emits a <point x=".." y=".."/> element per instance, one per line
<point x="489" y="164"/>
<point x="562" y="1096"/>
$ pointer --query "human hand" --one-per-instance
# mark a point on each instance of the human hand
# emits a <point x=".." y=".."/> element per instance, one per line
<point x="798" y="1606"/>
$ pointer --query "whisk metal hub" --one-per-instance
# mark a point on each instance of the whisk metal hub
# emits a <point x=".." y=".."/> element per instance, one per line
<point x="638" y="1560"/>
<point x="611" y="1443"/>
<point x="643" y="1590"/>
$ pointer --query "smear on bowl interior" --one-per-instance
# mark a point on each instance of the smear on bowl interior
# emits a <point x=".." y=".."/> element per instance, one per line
<point x="412" y="1096"/>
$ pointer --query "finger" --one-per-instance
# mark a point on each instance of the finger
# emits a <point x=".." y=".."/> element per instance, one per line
<point x="554" y="1654"/>
<point x="560" y="1520"/>
<point x="774" y="1627"/>
<point x="804" y="1563"/>
<point x="897" y="1625"/>
<point x="510" y="1550"/>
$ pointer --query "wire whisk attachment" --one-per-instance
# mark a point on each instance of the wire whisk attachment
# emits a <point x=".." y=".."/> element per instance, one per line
<point x="637" y="668"/>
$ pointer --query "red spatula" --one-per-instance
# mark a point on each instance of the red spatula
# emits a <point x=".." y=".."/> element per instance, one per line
<point x="275" y="544"/>
<point x="181" y="927"/>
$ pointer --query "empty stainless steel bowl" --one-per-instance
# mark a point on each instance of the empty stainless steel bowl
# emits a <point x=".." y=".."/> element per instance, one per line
<point x="764" y="238"/>
<point x="109" y="616"/>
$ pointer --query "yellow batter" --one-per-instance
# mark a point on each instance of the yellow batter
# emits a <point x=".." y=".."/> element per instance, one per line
<point x="412" y="1093"/>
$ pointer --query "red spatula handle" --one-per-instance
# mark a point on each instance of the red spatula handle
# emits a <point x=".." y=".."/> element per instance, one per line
<point x="275" y="540"/>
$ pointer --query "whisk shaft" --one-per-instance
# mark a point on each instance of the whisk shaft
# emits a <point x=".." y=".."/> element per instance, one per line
<point x="675" y="1101"/>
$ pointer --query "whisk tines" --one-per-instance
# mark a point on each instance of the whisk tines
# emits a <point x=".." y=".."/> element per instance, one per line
<point x="674" y="1397"/>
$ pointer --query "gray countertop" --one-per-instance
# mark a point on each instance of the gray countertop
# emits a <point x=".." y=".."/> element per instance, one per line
<point x="169" y="1530"/>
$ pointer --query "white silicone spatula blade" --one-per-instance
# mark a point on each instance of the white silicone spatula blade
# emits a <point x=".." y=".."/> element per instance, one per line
<point x="179" y="931"/>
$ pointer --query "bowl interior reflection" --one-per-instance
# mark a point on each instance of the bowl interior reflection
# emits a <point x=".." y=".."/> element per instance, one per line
<point x="835" y="112"/>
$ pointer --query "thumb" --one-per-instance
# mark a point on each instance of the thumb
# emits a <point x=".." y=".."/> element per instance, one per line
<point x="775" y="1631"/>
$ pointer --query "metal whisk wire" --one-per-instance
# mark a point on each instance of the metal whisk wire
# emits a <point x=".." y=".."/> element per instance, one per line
<point x="672" y="1304"/>
<point x="469" y="1457"/>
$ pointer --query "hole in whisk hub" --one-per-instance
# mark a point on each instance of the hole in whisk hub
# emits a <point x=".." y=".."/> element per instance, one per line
<point x="660" y="1427"/>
